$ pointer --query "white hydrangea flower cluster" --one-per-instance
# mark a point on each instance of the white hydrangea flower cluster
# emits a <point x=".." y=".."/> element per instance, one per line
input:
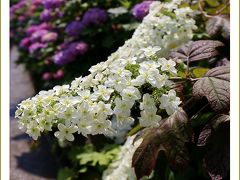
<point x="121" y="168"/>
<point x="134" y="79"/>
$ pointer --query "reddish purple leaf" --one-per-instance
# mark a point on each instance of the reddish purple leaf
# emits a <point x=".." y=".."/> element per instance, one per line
<point x="170" y="138"/>
<point x="219" y="25"/>
<point x="215" y="86"/>
<point x="198" y="50"/>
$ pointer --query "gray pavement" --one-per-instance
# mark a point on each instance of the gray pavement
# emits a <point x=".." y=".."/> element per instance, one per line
<point x="24" y="163"/>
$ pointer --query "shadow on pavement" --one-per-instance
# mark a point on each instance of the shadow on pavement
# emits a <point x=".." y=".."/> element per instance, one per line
<point x="39" y="161"/>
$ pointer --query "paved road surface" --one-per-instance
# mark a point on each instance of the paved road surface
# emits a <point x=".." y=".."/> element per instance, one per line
<point x="24" y="163"/>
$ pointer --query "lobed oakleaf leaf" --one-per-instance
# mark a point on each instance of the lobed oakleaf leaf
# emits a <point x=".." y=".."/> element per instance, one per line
<point x="219" y="25"/>
<point x="215" y="86"/>
<point x="217" y="158"/>
<point x="220" y="120"/>
<point x="204" y="135"/>
<point x="169" y="138"/>
<point x="214" y="123"/>
<point x="145" y="156"/>
<point x="223" y="62"/>
<point x="197" y="50"/>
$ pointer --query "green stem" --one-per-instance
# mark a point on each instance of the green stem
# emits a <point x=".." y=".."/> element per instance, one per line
<point x="134" y="130"/>
<point x="201" y="9"/>
<point x="181" y="78"/>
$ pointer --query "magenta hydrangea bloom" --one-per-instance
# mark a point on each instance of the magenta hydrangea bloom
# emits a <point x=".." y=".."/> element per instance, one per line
<point x="37" y="35"/>
<point x="140" y="10"/>
<point x="59" y="74"/>
<point x="52" y="4"/>
<point x="16" y="7"/>
<point x="49" y="37"/>
<point x="36" y="2"/>
<point x="33" y="28"/>
<point x="95" y="16"/>
<point x="81" y="48"/>
<point x="36" y="46"/>
<point x="74" y="28"/>
<point x="47" y="76"/>
<point x="25" y="42"/>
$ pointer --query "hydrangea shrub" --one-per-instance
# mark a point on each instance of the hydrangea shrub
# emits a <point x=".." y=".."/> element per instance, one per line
<point x="174" y="101"/>
<point x="132" y="85"/>
<point x="67" y="36"/>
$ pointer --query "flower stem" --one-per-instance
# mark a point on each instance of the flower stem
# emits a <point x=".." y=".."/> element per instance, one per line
<point x="134" y="130"/>
<point x="181" y="78"/>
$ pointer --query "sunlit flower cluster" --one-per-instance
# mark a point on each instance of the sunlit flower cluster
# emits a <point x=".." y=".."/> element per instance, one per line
<point x="131" y="87"/>
<point x="121" y="168"/>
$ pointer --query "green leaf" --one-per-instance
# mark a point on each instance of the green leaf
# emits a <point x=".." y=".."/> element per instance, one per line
<point x="215" y="86"/>
<point x="83" y="170"/>
<point x="166" y="12"/>
<point x="65" y="174"/>
<point x="125" y="3"/>
<point x="49" y="49"/>
<point x="212" y="3"/>
<point x="202" y="119"/>
<point x="92" y="159"/>
<point x="199" y="72"/>
<point x="76" y="150"/>
<point x="102" y="158"/>
<point x="107" y="41"/>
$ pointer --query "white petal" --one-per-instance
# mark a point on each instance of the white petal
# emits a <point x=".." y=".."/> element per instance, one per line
<point x="69" y="137"/>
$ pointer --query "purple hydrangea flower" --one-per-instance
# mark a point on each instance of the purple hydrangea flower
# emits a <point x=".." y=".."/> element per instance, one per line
<point x="16" y="7"/>
<point x="69" y="54"/>
<point x="49" y="14"/>
<point x="49" y="37"/>
<point x="37" y="35"/>
<point x="78" y="48"/>
<point x="46" y="15"/>
<point x="81" y="48"/>
<point x="60" y="14"/>
<point x="63" y="57"/>
<point x="36" y="46"/>
<point x="95" y="16"/>
<point x="140" y="10"/>
<point x="25" y="42"/>
<point x="52" y="4"/>
<point x="74" y="28"/>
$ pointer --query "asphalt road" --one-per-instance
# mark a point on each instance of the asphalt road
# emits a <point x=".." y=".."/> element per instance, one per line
<point x="25" y="164"/>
